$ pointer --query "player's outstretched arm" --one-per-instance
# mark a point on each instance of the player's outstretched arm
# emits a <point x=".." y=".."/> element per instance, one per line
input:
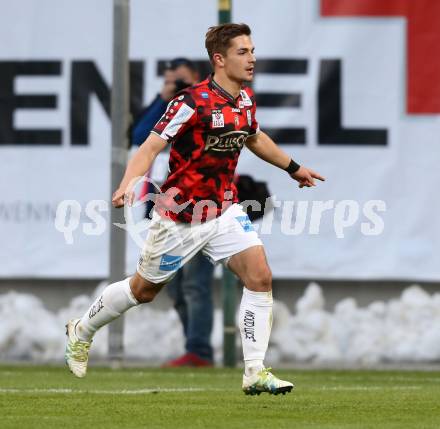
<point x="266" y="149"/>
<point x="137" y="167"/>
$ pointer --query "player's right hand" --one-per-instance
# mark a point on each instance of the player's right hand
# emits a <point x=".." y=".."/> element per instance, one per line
<point x="121" y="197"/>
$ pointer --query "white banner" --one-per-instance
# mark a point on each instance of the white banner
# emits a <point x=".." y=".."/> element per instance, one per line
<point x="341" y="90"/>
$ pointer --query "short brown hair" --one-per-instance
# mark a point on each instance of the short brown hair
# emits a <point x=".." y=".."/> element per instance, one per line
<point x="218" y="38"/>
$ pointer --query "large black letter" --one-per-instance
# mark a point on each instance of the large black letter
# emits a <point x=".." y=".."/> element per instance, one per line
<point x="87" y="80"/>
<point x="287" y="135"/>
<point x="330" y="130"/>
<point x="9" y="102"/>
<point x="136" y="87"/>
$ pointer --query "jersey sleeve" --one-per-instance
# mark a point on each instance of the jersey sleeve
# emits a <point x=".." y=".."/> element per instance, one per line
<point x="179" y="116"/>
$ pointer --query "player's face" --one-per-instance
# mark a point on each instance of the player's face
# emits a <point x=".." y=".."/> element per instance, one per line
<point x="239" y="61"/>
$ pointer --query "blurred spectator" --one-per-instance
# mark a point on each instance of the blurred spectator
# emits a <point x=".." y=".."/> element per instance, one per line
<point x="179" y="74"/>
<point x="191" y="288"/>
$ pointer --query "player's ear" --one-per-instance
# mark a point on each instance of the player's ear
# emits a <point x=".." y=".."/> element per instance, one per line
<point x="218" y="60"/>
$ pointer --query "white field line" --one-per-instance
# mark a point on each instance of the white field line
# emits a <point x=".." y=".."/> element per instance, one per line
<point x="369" y="388"/>
<point x="190" y="389"/>
<point x="109" y="392"/>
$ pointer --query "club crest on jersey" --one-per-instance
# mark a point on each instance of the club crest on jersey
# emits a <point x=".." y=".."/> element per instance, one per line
<point x="249" y="117"/>
<point x="218" y="120"/>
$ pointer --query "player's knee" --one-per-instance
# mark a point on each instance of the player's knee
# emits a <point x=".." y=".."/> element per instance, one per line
<point x="144" y="296"/>
<point x="266" y="279"/>
<point x="260" y="280"/>
<point x="143" y="290"/>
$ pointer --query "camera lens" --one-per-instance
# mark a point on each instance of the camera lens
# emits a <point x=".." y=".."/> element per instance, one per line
<point x="181" y="84"/>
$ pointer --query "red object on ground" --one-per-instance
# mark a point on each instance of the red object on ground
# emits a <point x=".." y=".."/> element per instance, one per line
<point x="188" y="359"/>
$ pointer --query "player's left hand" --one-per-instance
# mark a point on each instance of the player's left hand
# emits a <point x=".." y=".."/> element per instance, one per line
<point x="306" y="177"/>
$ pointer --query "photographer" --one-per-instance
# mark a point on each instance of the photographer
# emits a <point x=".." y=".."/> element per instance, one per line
<point x="179" y="74"/>
<point x="191" y="288"/>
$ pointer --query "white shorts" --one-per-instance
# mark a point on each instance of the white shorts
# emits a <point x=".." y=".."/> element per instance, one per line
<point x="169" y="245"/>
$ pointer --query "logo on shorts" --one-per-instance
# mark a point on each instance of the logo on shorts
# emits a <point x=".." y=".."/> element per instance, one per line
<point x="96" y="308"/>
<point x="245" y="223"/>
<point x="249" y="326"/>
<point x="170" y="262"/>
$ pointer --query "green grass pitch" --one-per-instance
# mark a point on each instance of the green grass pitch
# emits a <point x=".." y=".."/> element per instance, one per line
<point x="50" y="397"/>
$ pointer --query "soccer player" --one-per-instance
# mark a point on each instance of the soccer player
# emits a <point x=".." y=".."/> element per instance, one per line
<point x="206" y="125"/>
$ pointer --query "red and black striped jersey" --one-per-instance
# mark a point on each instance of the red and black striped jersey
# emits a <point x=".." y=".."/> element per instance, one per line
<point x="207" y="128"/>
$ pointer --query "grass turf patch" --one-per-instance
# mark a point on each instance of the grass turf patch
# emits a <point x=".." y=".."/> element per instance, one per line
<point x="50" y="397"/>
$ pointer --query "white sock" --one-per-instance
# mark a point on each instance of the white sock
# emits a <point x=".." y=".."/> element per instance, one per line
<point x="255" y="322"/>
<point x="115" y="300"/>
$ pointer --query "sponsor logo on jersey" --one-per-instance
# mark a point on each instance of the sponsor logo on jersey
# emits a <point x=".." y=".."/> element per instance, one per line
<point x="231" y="141"/>
<point x="235" y="110"/>
<point x="218" y="120"/>
<point x="249" y="117"/>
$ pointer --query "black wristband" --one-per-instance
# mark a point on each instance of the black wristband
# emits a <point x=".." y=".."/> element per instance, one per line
<point x="293" y="167"/>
